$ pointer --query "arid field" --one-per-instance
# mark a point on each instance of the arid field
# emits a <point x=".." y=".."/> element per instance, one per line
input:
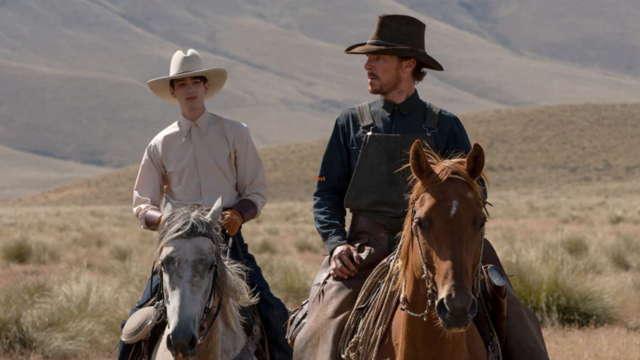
<point x="74" y="260"/>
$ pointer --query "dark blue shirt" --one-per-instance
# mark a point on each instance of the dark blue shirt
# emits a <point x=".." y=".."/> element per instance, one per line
<point x="343" y="149"/>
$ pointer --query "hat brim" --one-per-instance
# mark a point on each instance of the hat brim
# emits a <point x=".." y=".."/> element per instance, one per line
<point x="423" y="57"/>
<point x="216" y="79"/>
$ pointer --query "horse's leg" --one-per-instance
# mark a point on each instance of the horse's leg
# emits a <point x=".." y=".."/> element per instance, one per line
<point x="524" y="336"/>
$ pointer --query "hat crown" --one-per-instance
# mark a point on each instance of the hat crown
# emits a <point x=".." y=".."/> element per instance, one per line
<point x="185" y="63"/>
<point x="400" y="30"/>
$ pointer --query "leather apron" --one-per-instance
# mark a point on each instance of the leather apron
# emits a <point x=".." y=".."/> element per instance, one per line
<point x="376" y="197"/>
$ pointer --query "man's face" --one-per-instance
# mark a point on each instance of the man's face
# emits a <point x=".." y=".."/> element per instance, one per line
<point x="383" y="72"/>
<point x="189" y="92"/>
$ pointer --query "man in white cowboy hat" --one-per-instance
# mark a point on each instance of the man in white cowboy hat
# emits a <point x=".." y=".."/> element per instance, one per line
<point x="197" y="159"/>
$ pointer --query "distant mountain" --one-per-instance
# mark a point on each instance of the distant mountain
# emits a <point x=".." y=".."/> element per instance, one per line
<point x="24" y="174"/>
<point x="526" y="149"/>
<point x="587" y="33"/>
<point x="73" y="75"/>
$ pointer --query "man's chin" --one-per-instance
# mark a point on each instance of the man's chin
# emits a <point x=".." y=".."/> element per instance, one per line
<point x="374" y="90"/>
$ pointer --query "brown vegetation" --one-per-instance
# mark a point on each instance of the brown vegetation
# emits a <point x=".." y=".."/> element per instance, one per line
<point x="565" y="224"/>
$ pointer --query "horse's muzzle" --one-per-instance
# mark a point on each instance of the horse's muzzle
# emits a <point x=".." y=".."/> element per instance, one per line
<point x="456" y="314"/>
<point x="182" y="344"/>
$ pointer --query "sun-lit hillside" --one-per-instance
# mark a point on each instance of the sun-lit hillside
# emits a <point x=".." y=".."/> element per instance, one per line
<point x="23" y="174"/>
<point x="74" y="76"/>
<point x="526" y="148"/>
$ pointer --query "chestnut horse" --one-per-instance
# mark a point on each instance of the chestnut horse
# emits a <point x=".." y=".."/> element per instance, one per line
<point x="440" y="261"/>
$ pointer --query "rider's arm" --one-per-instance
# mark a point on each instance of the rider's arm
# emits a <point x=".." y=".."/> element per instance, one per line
<point x="332" y="183"/>
<point x="149" y="189"/>
<point x="252" y="182"/>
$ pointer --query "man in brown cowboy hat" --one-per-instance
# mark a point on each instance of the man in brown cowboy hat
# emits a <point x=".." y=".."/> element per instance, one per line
<point x="359" y="169"/>
<point x="197" y="159"/>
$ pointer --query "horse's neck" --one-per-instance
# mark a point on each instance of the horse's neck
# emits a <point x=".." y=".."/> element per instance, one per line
<point x="230" y="343"/>
<point x="419" y="339"/>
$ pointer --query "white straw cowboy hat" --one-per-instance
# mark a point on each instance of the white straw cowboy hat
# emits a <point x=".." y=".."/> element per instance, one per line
<point x="188" y="65"/>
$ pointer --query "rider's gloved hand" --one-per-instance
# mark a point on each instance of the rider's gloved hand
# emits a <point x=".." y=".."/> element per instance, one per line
<point x="344" y="261"/>
<point x="231" y="221"/>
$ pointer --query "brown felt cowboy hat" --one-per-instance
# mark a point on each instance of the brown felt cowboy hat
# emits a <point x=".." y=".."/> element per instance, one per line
<point x="399" y="35"/>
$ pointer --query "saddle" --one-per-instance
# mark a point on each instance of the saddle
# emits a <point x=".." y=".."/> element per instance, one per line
<point x="491" y="319"/>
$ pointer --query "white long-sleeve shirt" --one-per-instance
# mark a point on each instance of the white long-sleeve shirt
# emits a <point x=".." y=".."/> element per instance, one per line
<point x="197" y="162"/>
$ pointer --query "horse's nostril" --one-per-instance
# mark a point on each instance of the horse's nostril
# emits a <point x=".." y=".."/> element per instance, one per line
<point x="473" y="309"/>
<point x="443" y="311"/>
<point x="170" y="346"/>
<point x="193" y="344"/>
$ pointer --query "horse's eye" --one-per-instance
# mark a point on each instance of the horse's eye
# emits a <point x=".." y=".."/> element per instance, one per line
<point x="483" y="222"/>
<point x="418" y="222"/>
<point x="211" y="266"/>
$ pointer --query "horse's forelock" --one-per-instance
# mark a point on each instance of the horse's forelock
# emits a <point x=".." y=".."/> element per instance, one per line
<point x="185" y="223"/>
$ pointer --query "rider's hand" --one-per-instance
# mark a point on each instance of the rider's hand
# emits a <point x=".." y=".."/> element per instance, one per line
<point x="344" y="260"/>
<point x="231" y="221"/>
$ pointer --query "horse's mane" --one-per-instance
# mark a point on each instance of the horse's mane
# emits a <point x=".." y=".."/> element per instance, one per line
<point x="443" y="169"/>
<point x="190" y="222"/>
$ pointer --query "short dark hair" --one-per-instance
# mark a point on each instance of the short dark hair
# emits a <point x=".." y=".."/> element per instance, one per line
<point x="201" y="78"/>
<point x="419" y="72"/>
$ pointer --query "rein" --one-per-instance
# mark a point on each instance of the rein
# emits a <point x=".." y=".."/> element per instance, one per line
<point x="427" y="276"/>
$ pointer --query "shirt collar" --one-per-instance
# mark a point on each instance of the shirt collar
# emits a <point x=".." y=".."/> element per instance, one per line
<point x="202" y="122"/>
<point x="405" y="107"/>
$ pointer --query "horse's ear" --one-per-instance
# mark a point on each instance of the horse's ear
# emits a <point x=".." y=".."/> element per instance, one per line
<point x="215" y="212"/>
<point x="167" y="205"/>
<point x="475" y="162"/>
<point x="419" y="164"/>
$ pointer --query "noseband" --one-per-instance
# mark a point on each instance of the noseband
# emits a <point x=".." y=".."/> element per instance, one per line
<point x="428" y="277"/>
<point x="205" y="326"/>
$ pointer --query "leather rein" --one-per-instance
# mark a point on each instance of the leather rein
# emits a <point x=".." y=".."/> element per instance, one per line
<point x="428" y="277"/>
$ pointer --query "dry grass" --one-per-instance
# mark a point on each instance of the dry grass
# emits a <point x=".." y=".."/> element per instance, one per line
<point x="562" y="243"/>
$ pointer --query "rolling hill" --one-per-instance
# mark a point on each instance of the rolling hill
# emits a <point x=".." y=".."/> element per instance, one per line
<point x="74" y="75"/>
<point x="24" y="174"/>
<point x="527" y="149"/>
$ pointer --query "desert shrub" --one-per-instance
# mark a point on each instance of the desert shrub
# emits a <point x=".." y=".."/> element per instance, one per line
<point x="18" y="251"/>
<point x="575" y="246"/>
<point x="121" y="253"/>
<point x="289" y="279"/>
<point x="264" y="246"/>
<point x="558" y="298"/>
<point x="58" y="317"/>
<point x="305" y="245"/>
<point x="623" y="253"/>
<point x="24" y="251"/>
<point x="616" y="219"/>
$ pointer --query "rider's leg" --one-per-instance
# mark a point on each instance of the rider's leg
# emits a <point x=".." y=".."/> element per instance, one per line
<point x="273" y="312"/>
<point x="524" y="337"/>
<point x="129" y="351"/>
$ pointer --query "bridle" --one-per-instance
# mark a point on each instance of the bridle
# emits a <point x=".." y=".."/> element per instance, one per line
<point x="205" y="325"/>
<point x="428" y="276"/>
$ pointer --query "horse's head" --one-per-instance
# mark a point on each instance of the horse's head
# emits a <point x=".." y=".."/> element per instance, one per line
<point x="197" y="282"/>
<point x="444" y="232"/>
